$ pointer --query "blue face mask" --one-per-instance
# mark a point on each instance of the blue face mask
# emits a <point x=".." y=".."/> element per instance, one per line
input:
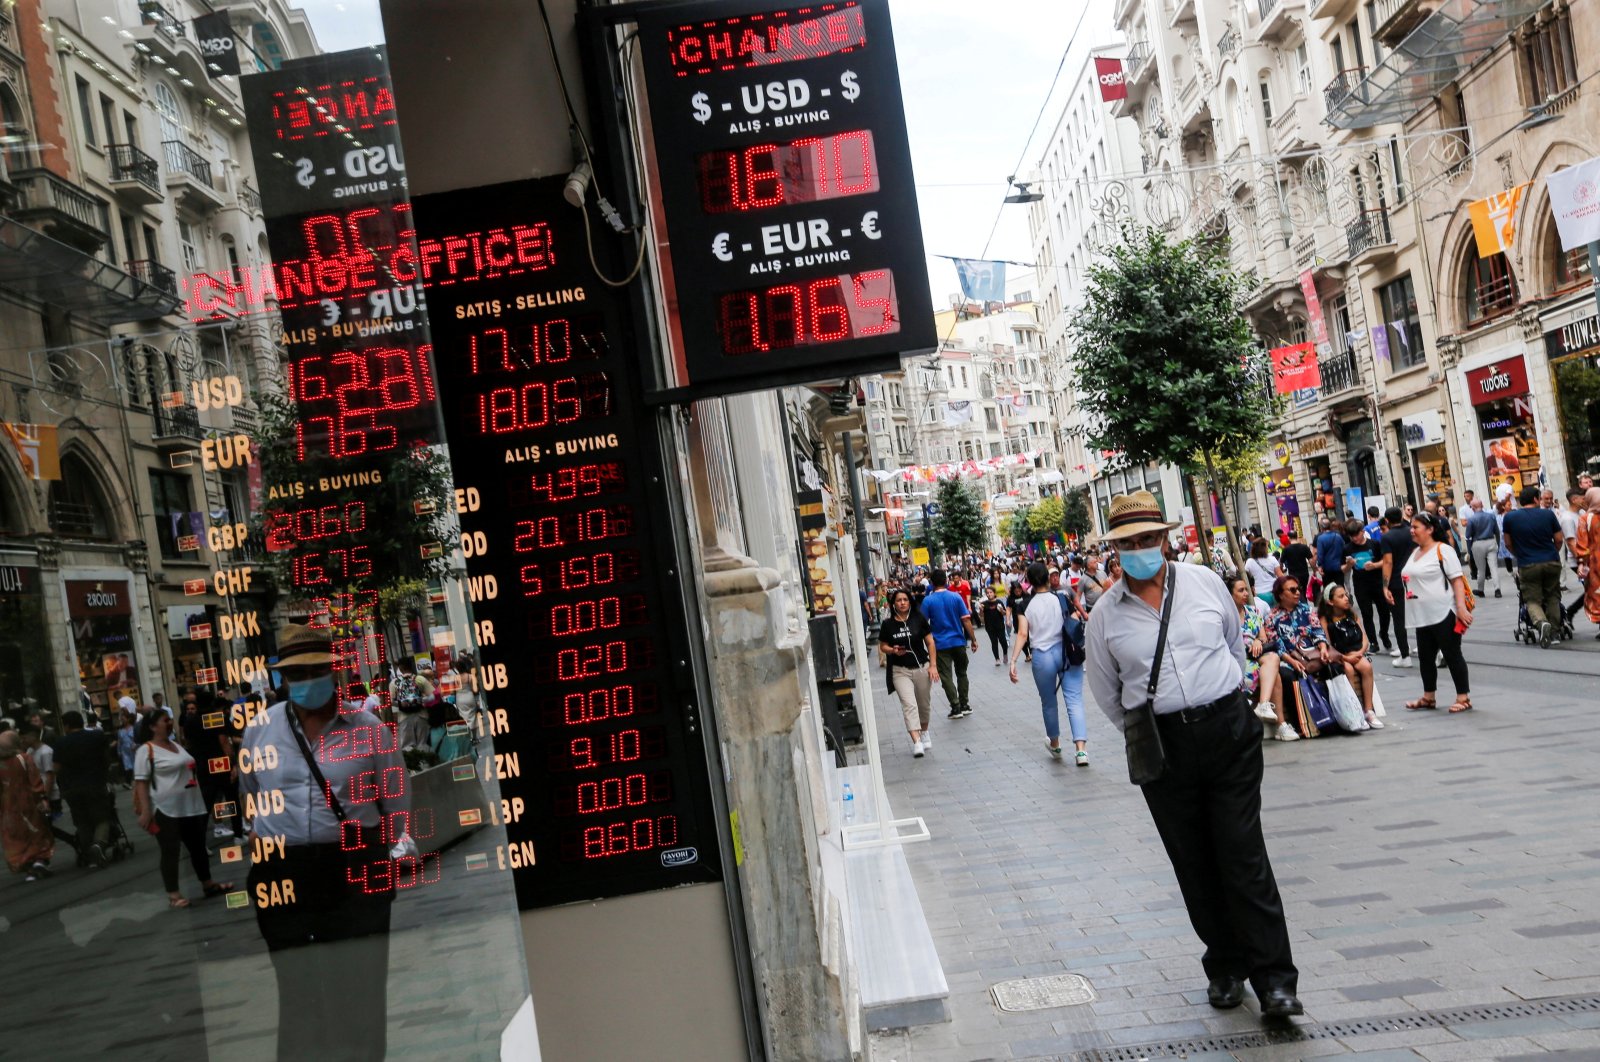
<point x="1141" y="563"/>
<point x="311" y="693"/>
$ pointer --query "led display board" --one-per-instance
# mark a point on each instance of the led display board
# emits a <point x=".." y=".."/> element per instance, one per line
<point x="571" y="567"/>
<point x="778" y="144"/>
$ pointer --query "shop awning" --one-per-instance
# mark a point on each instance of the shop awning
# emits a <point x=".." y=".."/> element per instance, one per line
<point x="45" y="269"/>
<point x="1443" y="47"/>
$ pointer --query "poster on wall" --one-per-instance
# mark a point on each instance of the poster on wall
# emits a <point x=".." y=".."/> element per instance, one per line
<point x="1500" y="458"/>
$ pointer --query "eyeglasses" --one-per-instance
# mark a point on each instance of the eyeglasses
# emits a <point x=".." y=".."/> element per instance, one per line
<point x="1148" y="540"/>
<point x="1291" y="589"/>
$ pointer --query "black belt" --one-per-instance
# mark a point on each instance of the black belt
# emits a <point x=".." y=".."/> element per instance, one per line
<point x="1204" y="711"/>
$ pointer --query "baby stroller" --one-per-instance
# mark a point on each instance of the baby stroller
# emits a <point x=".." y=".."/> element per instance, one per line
<point x="1528" y="631"/>
<point x="119" y="845"/>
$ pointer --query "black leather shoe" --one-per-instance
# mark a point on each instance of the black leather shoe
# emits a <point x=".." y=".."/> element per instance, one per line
<point x="1225" y="993"/>
<point x="1280" y="1003"/>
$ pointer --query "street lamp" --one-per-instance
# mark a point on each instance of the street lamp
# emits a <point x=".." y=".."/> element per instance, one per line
<point x="1023" y="194"/>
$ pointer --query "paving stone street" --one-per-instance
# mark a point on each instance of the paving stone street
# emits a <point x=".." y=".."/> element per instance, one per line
<point x="1443" y="864"/>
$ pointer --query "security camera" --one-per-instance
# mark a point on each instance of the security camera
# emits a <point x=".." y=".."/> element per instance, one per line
<point x="578" y="184"/>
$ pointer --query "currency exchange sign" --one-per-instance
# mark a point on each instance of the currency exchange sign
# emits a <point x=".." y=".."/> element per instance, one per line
<point x="786" y="186"/>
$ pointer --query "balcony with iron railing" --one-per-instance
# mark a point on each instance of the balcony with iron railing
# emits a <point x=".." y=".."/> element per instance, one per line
<point x="1275" y="21"/>
<point x="61" y="209"/>
<point x="1340" y="372"/>
<point x="75" y="519"/>
<point x="1229" y="43"/>
<point x="180" y="424"/>
<point x="1343" y="84"/>
<point x="1369" y="231"/>
<point x="1265" y="8"/>
<point x="249" y="199"/>
<point x="134" y="174"/>
<point x="1393" y="20"/>
<point x="1491" y="297"/>
<point x="189" y="174"/>
<point x="153" y="273"/>
<point x="1138" y="58"/>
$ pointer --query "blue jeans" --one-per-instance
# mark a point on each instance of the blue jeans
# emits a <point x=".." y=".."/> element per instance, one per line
<point x="1046" y="665"/>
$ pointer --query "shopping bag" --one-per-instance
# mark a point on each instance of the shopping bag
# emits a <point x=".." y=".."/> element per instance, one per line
<point x="1314" y="696"/>
<point x="1377" y="704"/>
<point x="1299" y="717"/>
<point x="1346" y="704"/>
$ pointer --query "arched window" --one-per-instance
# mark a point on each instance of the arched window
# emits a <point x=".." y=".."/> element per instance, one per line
<point x="78" y="507"/>
<point x="169" y="112"/>
<point x="1490" y="289"/>
<point x="17" y="137"/>
<point x="1567" y="269"/>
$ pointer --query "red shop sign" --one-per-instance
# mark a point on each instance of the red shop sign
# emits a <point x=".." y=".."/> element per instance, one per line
<point x="1503" y="379"/>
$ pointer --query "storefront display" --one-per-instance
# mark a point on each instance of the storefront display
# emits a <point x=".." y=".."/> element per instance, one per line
<point x="1507" y="427"/>
<point x="25" y="680"/>
<point x="1428" y="466"/>
<point x="1574" y="353"/>
<point x="102" y="633"/>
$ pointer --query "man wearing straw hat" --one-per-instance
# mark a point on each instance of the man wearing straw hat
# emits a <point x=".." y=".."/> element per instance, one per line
<point x="320" y="785"/>
<point x="1202" y="778"/>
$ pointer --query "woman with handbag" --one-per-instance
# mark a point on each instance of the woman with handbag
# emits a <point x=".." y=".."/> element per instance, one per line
<point x="905" y="646"/>
<point x="1438" y="606"/>
<point x="1349" y="642"/>
<point x="1260" y="658"/>
<point x="1586" y="547"/>
<point x="167" y="799"/>
<point x="1053" y="623"/>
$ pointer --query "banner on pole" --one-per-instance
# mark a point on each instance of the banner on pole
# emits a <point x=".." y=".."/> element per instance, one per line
<point x="37" y="449"/>
<point x="1575" y="202"/>
<point x="982" y="281"/>
<point x="1494" y="221"/>
<point x="1113" y="82"/>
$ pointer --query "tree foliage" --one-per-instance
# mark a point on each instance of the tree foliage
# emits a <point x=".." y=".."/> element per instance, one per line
<point x="391" y="560"/>
<point x="1044" y="519"/>
<point x="1075" y="518"/>
<point x="960" y="526"/>
<point x="1166" y="364"/>
<point x="1021" y="526"/>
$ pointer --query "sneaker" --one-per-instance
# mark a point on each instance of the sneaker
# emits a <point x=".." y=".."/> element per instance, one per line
<point x="40" y="870"/>
<point x="1545" y="635"/>
<point x="98" y="856"/>
<point x="927" y="741"/>
<point x="997" y="663"/>
<point x="1394" y="654"/>
<point x="1267" y="712"/>
<point x="1404" y="661"/>
<point x="1497" y="593"/>
<point x="1373" y="722"/>
<point x="916" y="750"/>
<point x="955" y="713"/>
<point x="1055" y="750"/>
<point x="965" y="712"/>
<point x="221" y="830"/>
<point x="1287" y="733"/>
<point x="1082" y="758"/>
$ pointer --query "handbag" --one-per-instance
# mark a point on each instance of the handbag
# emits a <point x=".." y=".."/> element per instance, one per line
<point x="1147" y="756"/>
<point x="1472" y="602"/>
<point x="1377" y="704"/>
<point x="1346" y="704"/>
<point x="1073" y="652"/>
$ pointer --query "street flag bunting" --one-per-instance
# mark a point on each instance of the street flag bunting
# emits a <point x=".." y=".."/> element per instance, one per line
<point x="1113" y="82"/>
<point x="1575" y="202"/>
<point x="1295" y="368"/>
<point x="37" y="449"/>
<point x="1494" y="220"/>
<point x="981" y="281"/>
<point x="957" y="412"/>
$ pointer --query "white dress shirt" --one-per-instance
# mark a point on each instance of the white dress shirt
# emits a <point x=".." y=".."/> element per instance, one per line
<point x="1204" y="657"/>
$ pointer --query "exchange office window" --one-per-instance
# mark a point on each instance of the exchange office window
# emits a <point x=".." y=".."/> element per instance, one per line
<point x="172" y="502"/>
<point x="1397" y="301"/>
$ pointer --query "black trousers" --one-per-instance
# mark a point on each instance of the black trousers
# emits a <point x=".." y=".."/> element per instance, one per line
<point x="190" y="832"/>
<point x="997" y="641"/>
<point x="329" y="944"/>
<point x="1207" y="809"/>
<point x="1369" y="596"/>
<point x="1437" y="639"/>
<point x="1397" y="613"/>
<point x="222" y="789"/>
<point x="91" y="817"/>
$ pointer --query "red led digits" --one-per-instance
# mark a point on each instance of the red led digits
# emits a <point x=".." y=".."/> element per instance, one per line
<point x="350" y="402"/>
<point x="578" y="573"/>
<point x="764" y="40"/>
<point x="554" y="342"/>
<point x="807" y="313"/>
<point x="634" y="835"/>
<point x="604" y="795"/>
<point x="573" y="528"/>
<point x="801" y="171"/>
<point x="605" y="750"/>
<point x="285" y="528"/>
<point x="357" y="742"/>
<point x="329" y="566"/>
<point x="584" y="481"/>
<point x="541" y="403"/>
<point x="600" y="614"/>
<point x="388" y="784"/>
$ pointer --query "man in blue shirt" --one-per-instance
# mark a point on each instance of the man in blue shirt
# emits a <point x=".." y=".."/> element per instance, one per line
<point x="1482" y="531"/>
<point x="953" y="636"/>
<point x="1374" y="524"/>
<point x="1331" y="554"/>
<point x="1533" y="535"/>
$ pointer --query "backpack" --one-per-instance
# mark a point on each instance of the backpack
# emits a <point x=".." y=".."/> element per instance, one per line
<point x="403" y="694"/>
<point x="1073" y="653"/>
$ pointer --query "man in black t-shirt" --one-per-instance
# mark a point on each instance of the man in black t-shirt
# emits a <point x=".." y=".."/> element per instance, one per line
<point x="82" y="760"/>
<point x="210" y="746"/>
<point x="1296" y="557"/>
<point x="1396" y="545"/>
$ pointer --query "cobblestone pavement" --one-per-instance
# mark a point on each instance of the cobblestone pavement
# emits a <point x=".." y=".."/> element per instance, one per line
<point x="1446" y="862"/>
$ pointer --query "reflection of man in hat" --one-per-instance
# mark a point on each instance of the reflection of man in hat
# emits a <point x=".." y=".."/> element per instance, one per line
<point x="1207" y="801"/>
<point x="322" y="788"/>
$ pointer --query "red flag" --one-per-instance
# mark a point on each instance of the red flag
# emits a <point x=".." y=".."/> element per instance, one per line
<point x="1113" y="83"/>
<point x="1295" y="368"/>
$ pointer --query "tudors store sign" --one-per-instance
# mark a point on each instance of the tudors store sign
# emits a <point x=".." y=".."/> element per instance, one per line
<point x="1579" y="337"/>
<point x="96" y="597"/>
<point x="1502" y="379"/>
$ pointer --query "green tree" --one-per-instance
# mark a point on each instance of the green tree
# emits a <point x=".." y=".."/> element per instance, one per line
<point x="1075" y="519"/>
<point x="1021" y="525"/>
<point x="401" y="515"/>
<point x="1044" y="519"/>
<point x="1167" y="367"/>
<point x="960" y="526"/>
